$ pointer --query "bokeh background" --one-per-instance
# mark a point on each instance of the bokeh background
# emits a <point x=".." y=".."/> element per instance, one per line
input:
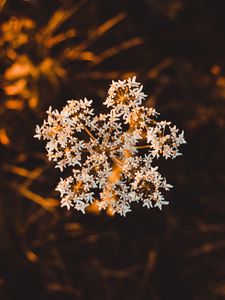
<point x="51" y="51"/>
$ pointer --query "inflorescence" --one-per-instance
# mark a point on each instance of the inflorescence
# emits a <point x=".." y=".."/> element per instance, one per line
<point x="111" y="155"/>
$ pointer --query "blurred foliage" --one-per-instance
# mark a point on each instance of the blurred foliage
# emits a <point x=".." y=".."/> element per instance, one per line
<point x="51" y="51"/>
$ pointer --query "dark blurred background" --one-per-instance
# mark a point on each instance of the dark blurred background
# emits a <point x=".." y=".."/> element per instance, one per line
<point x="51" y="51"/>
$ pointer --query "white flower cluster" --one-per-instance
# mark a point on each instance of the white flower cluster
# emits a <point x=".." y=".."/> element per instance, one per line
<point x="111" y="155"/>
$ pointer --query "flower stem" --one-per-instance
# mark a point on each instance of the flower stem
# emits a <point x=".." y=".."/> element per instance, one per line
<point x="143" y="147"/>
<point x="117" y="161"/>
<point x="89" y="133"/>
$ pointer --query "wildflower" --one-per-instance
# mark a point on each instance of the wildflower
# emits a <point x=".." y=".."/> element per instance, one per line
<point x="114" y="161"/>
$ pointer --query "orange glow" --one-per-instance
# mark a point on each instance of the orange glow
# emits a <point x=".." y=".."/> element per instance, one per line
<point x="4" y="139"/>
<point x="73" y="226"/>
<point x="2" y="3"/>
<point x="16" y="88"/>
<point x="31" y="256"/>
<point x="48" y="203"/>
<point x="18" y="170"/>
<point x="33" y="102"/>
<point x="215" y="70"/>
<point x="75" y="52"/>
<point x="14" y="104"/>
<point x="221" y="81"/>
<point x="21" y="68"/>
<point x="93" y="208"/>
<point x="117" y="49"/>
<point x="156" y="70"/>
